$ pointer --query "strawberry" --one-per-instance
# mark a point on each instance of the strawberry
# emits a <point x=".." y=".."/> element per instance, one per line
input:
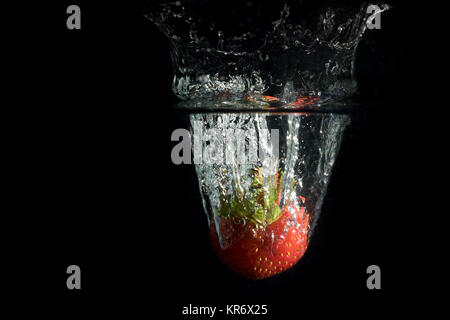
<point x="258" y="238"/>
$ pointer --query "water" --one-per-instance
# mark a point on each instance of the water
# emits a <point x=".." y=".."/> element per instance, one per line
<point x="265" y="61"/>
<point x="287" y="57"/>
<point x="308" y="144"/>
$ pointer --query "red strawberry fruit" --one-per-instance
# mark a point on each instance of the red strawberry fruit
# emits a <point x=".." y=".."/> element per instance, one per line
<point x="258" y="239"/>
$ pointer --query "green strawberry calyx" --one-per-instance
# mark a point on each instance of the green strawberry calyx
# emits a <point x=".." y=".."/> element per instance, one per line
<point x="260" y="204"/>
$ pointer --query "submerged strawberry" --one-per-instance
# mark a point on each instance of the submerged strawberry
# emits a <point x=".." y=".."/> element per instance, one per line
<point x="258" y="239"/>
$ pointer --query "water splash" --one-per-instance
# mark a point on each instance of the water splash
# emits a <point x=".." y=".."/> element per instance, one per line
<point x="303" y="54"/>
<point x="308" y="146"/>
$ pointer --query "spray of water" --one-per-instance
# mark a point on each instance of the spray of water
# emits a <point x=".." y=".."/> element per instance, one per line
<point x="301" y="58"/>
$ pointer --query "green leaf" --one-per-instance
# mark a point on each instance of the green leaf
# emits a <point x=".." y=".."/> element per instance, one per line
<point x="259" y="204"/>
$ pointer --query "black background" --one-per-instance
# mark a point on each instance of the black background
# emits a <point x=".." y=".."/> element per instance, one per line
<point x="94" y="184"/>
